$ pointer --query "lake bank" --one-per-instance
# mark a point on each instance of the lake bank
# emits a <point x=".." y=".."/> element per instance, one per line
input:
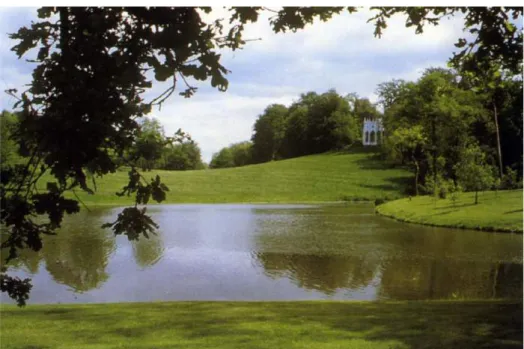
<point x="321" y="324"/>
<point x="496" y="211"/>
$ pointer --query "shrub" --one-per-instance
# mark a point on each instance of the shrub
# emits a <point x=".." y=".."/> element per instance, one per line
<point x="510" y="180"/>
<point x="382" y="200"/>
<point x="455" y="190"/>
<point x="443" y="192"/>
<point x="379" y="201"/>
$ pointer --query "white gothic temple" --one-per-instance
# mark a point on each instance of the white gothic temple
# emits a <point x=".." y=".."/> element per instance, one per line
<point x="373" y="131"/>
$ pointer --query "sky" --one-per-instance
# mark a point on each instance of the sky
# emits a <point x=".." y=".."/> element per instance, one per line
<point x="342" y="54"/>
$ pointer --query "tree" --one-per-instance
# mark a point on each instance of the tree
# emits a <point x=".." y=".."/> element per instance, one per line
<point x="242" y="153"/>
<point x="331" y="124"/>
<point x="447" y="113"/>
<point x="70" y="128"/>
<point x="182" y="157"/>
<point x="409" y="144"/>
<point x="234" y="155"/>
<point x="511" y="125"/>
<point x="390" y="91"/>
<point x="489" y="79"/>
<point x="319" y="123"/>
<point x="269" y="131"/>
<point x="295" y="138"/>
<point x="222" y="159"/>
<point x="8" y="147"/>
<point x="473" y="172"/>
<point x="149" y="144"/>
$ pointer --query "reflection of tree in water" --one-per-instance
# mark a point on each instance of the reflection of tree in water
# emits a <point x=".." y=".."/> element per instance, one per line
<point x="308" y="246"/>
<point x="27" y="260"/>
<point x="325" y="253"/>
<point x="78" y="255"/>
<point x="423" y="278"/>
<point x="443" y="263"/>
<point x="148" y="251"/>
<point x="507" y="280"/>
<point x="322" y="273"/>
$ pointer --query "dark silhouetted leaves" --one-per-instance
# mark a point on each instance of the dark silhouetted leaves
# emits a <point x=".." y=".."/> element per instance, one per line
<point x="16" y="288"/>
<point x="132" y="222"/>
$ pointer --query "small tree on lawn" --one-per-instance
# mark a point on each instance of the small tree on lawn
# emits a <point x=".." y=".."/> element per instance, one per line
<point x="455" y="190"/>
<point x="473" y="173"/>
<point x="409" y="143"/>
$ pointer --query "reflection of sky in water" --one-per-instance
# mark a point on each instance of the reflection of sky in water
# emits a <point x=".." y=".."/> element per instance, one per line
<point x="287" y="252"/>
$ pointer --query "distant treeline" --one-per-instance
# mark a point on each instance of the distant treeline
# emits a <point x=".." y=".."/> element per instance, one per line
<point x="152" y="149"/>
<point x="316" y="123"/>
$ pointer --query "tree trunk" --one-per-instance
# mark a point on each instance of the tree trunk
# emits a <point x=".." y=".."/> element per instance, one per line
<point x="499" y="151"/>
<point x="476" y="197"/>
<point x="434" y="150"/>
<point x="417" y="170"/>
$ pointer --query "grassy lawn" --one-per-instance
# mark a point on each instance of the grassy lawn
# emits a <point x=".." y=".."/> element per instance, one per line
<point x="432" y="324"/>
<point x="317" y="178"/>
<point x="500" y="211"/>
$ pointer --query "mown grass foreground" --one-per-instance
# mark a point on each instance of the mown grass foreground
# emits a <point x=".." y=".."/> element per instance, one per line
<point x="359" y="175"/>
<point x="496" y="211"/>
<point x="419" y="324"/>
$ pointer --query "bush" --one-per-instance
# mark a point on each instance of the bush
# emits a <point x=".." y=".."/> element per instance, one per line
<point x="440" y="189"/>
<point x="379" y="201"/>
<point x="455" y="190"/>
<point x="443" y="191"/>
<point x="510" y="180"/>
<point x="383" y="200"/>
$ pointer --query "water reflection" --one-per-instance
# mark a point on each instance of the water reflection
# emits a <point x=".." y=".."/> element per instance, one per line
<point x="322" y="273"/>
<point x="411" y="262"/>
<point x="148" y="251"/>
<point x="77" y="256"/>
<point x="233" y="252"/>
<point x="444" y="279"/>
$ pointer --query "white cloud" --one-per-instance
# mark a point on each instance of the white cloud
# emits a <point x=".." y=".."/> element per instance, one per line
<point x="341" y="53"/>
<point x="216" y="119"/>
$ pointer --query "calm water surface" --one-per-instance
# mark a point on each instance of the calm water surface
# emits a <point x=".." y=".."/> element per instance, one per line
<point x="270" y="252"/>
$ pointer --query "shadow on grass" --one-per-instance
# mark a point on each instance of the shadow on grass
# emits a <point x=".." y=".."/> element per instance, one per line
<point x="357" y="148"/>
<point x="453" y="206"/>
<point x="283" y="324"/>
<point x="403" y="185"/>
<point x="373" y="162"/>
<point x="514" y="211"/>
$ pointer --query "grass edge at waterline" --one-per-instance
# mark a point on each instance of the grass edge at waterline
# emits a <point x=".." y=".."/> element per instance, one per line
<point x="496" y="211"/>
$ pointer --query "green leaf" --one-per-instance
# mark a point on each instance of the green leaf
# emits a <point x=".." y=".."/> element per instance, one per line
<point x="52" y="187"/>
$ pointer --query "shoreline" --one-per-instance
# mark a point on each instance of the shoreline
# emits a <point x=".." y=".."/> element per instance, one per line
<point x="461" y="215"/>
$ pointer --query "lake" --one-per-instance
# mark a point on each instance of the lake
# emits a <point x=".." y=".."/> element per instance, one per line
<point x="270" y="252"/>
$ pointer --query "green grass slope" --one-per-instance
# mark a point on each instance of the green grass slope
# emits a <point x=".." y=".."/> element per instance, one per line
<point x="378" y="325"/>
<point x="325" y="177"/>
<point x="500" y="211"/>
